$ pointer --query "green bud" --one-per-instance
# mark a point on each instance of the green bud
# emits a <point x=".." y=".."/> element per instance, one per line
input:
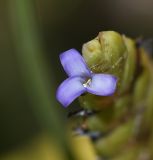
<point x="130" y="64"/>
<point x="144" y="94"/>
<point x="106" y="53"/>
<point x="114" y="143"/>
<point x="102" y="121"/>
<point x="122" y="106"/>
<point x="132" y="153"/>
<point x="141" y="89"/>
<point x="95" y="123"/>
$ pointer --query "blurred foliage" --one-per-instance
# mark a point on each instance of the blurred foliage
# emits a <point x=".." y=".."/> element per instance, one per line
<point x="37" y="87"/>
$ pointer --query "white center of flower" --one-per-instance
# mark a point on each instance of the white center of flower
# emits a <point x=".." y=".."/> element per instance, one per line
<point x="87" y="83"/>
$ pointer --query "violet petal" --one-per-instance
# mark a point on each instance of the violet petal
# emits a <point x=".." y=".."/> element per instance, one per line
<point x="69" y="90"/>
<point x="102" y="84"/>
<point x="74" y="64"/>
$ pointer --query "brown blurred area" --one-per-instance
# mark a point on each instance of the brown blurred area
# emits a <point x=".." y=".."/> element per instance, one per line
<point x="62" y="24"/>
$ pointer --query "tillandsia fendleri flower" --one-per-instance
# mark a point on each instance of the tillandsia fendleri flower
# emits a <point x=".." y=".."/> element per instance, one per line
<point x="81" y="79"/>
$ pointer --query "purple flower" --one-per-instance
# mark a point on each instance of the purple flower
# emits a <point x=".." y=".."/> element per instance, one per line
<point x="81" y="79"/>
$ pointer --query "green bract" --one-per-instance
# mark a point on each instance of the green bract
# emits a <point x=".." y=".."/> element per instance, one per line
<point x="124" y="119"/>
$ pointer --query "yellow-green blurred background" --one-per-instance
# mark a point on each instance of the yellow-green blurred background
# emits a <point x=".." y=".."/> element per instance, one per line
<point x="32" y="35"/>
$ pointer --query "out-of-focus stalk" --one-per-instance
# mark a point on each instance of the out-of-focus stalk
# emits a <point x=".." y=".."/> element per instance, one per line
<point x="38" y="84"/>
